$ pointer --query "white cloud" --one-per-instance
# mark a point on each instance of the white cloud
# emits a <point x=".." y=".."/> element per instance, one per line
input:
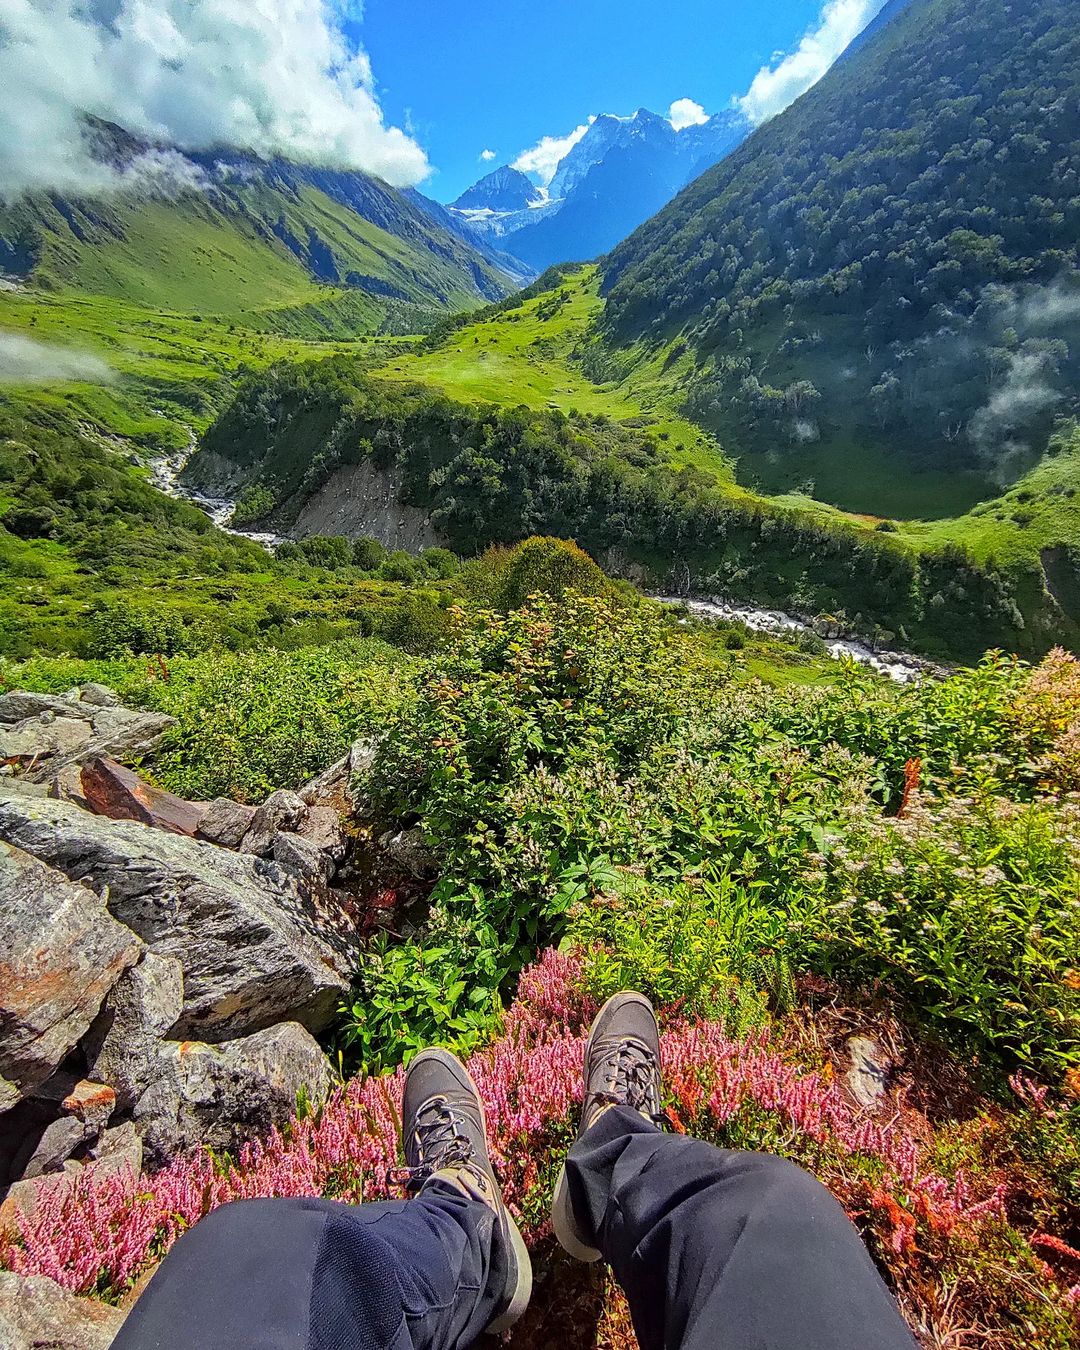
<point x="543" y="159"/>
<point x="273" y="76"/>
<point x="684" y="112"/>
<point x="487" y="156"/>
<point x="25" y="362"/>
<point x="780" y="83"/>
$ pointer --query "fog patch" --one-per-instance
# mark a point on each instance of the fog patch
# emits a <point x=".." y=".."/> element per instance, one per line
<point x="23" y="361"/>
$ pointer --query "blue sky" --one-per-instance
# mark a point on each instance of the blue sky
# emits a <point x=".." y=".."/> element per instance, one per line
<point x="464" y="76"/>
<point x="412" y="90"/>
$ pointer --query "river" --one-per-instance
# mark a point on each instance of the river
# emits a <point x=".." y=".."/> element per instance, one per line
<point x="898" y="666"/>
<point x="901" y="667"/>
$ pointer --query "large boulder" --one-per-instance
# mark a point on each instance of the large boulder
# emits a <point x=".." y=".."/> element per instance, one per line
<point x="60" y="954"/>
<point x="123" y="1042"/>
<point x="256" y="946"/>
<point x="220" y="1096"/>
<point x="44" y="733"/>
<point x="110" y="789"/>
<point x="37" y="1314"/>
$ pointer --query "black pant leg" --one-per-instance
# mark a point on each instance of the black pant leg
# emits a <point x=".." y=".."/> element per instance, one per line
<point x="720" y="1250"/>
<point x="309" y="1274"/>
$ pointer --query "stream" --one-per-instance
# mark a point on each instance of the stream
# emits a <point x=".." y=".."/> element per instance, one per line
<point x="901" y="667"/>
<point x="165" y="475"/>
<point x="898" y="666"/>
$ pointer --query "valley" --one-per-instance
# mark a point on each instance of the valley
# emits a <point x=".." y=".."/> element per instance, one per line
<point x="654" y="566"/>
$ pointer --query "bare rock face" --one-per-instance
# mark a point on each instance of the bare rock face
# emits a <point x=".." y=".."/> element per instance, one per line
<point x="60" y="954"/>
<point x="37" y="1314"/>
<point x="123" y="1042"/>
<point x="321" y="827"/>
<point x="110" y="789"/>
<point x="252" y="947"/>
<point x="220" y="1096"/>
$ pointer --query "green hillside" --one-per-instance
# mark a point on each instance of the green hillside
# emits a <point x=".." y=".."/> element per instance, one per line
<point x="880" y="288"/>
<point x="243" y="238"/>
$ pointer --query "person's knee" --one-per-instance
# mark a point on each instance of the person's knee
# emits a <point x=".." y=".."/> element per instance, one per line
<point x="780" y="1181"/>
<point x="229" y="1223"/>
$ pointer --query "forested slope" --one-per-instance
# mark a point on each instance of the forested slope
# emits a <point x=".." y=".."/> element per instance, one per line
<point x="889" y="269"/>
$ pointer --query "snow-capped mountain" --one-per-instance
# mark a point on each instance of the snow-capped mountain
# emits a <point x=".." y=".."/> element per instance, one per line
<point x="622" y="171"/>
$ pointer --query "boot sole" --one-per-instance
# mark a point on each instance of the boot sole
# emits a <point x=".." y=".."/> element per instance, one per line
<point x="521" y="1262"/>
<point x="566" y="1230"/>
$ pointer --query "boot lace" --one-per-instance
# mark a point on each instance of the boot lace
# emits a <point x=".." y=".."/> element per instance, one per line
<point x="441" y="1142"/>
<point x="631" y="1074"/>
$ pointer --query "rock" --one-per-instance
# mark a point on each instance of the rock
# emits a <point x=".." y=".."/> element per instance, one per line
<point x="123" y="1041"/>
<point x="282" y="810"/>
<point x="100" y="695"/>
<point x="868" y="1076"/>
<point x="17" y="784"/>
<point x="302" y="858"/>
<point x="19" y="704"/>
<point x="25" y="1198"/>
<point x="220" y="1096"/>
<point x="407" y="851"/>
<point x="49" y="732"/>
<point x="111" y="790"/>
<point x="226" y="822"/>
<point x="92" y="1103"/>
<point x="66" y="786"/>
<point x="56" y="1146"/>
<point x="119" y="1150"/>
<point x="328" y="784"/>
<point x="322" y="827"/>
<point x="122" y="733"/>
<point x="60" y="954"/>
<point x="37" y="1314"/>
<point x="254" y="945"/>
<point x="36" y="740"/>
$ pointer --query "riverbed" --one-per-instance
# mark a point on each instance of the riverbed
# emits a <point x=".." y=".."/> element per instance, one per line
<point x="901" y="667"/>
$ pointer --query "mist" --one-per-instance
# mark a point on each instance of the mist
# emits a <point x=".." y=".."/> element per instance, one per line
<point x="23" y="361"/>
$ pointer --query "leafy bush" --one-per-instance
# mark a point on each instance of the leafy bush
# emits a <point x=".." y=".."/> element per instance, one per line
<point x="969" y="907"/>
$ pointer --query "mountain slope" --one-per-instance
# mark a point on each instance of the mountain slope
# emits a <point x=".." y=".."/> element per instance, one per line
<point x="228" y="232"/>
<point x="621" y="171"/>
<point x="887" y="273"/>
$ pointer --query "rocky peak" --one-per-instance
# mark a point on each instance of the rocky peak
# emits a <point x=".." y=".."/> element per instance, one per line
<point x="505" y="189"/>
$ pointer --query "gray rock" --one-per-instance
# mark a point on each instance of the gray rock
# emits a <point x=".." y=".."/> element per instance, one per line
<point x="220" y="1096"/>
<point x="301" y="857"/>
<point x="406" y="850"/>
<point x="60" y="954"/>
<point x="868" y="1076"/>
<point x="56" y="1146"/>
<point x="322" y="827"/>
<point x="65" y="785"/>
<point x="19" y="704"/>
<point x="100" y="695"/>
<point x="282" y="810"/>
<point x="37" y="1314"/>
<point x="119" y="1150"/>
<point x="122" y="1044"/>
<point x="120" y="733"/>
<point x="36" y="739"/>
<point x="253" y="944"/>
<point x="49" y="732"/>
<point x="330" y="783"/>
<point x="226" y="822"/>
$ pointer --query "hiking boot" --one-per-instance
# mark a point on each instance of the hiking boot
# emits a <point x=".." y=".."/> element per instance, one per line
<point x="622" y="1068"/>
<point x="444" y="1135"/>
